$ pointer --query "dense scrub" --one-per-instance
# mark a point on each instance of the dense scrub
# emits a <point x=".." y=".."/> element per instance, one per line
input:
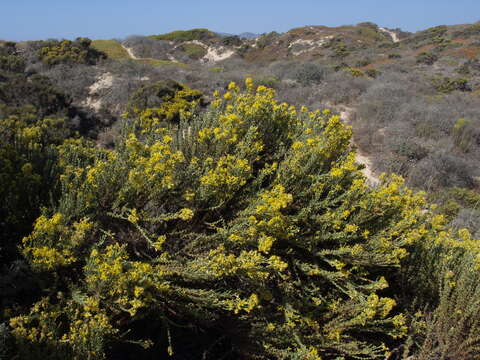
<point x="67" y="51"/>
<point x="186" y="35"/>
<point x="249" y="223"/>
<point x="225" y="223"/>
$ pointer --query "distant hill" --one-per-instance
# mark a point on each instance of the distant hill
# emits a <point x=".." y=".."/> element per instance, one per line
<point x="248" y="35"/>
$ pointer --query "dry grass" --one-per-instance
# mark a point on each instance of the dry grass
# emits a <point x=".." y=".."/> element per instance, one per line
<point x="469" y="52"/>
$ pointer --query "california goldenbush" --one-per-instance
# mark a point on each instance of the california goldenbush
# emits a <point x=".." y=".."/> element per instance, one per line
<point x="70" y="52"/>
<point x="249" y="223"/>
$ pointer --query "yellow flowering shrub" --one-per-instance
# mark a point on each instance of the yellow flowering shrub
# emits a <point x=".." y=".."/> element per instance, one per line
<point x="83" y="338"/>
<point x="112" y="277"/>
<point x="250" y="216"/>
<point x="52" y="243"/>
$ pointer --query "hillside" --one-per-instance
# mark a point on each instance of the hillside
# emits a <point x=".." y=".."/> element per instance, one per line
<point x="313" y="194"/>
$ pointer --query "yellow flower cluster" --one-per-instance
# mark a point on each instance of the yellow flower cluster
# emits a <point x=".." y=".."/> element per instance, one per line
<point x="156" y="167"/>
<point x="230" y="173"/>
<point x="51" y="243"/>
<point x="246" y="305"/>
<point x="85" y="327"/>
<point x="125" y="283"/>
<point x="274" y="200"/>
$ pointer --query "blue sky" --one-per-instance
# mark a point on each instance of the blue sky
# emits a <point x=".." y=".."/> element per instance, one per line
<point x="106" y="19"/>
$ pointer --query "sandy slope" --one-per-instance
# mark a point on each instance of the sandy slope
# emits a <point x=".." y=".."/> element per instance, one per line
<point x="391" y="33"/>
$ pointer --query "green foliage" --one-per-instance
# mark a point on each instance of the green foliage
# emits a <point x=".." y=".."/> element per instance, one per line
<point x="162" y="101"/>
<point x="446" y="85"/>
<point x="440" y="41"/>
<point x="463" y="134"/>
<point x="232" y="41"/>
<point x="266" y="39"/>
<point x="309" y="73"/>
<point x="157" y="62"/>
<point x="340" y="49"/>
<point x="216" y="69"/>
<point x="268" y="81"/>
<point x="373" y="73"/>
<point x="66" y="51"/>
<point x="394" y="56"/>
<point x="426" y="36"/>
<point x="113" y="49"/>
<point x="194" y="51"/>
<point x="410" y="149"/>
<point x="27" y="170"/>
<point x="469" y="31"/>
<point x="453" y="199"/>
<point x="186" y="35"/>
<point x="427" y="58"/>
<point x="7" y="48"/>
<point x="35" y="90"/>
<point x="12" y="63"/>
<point x="446" y="268"/>
<point x="370" y="31"/>
<point x="355" y="72"/>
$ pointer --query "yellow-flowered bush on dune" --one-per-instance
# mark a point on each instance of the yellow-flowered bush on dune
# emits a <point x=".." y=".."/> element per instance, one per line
<point x="243" y="231"/>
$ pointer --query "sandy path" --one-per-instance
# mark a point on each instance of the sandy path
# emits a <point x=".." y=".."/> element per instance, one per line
<point x="361" y="158"/>
<point x="130" y="52"/>
<point x="391" y="33"/>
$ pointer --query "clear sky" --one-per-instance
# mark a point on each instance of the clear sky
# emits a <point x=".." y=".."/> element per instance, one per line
<point x="106" y="19"/>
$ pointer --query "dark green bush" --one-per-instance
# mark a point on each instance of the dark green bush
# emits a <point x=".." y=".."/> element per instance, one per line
<point x="394" y="56"/>
<point x="69" y="52"/>
<point x="427" y="58"/>
<point x="193" y="51"/>
<point x="446" y="85"/>
<point x="186" y="35"/>
<point x="309" y="73"/>
<point x="12" y="64"/>
<point x="232" y="41"/>
<point x="373" y="73"/>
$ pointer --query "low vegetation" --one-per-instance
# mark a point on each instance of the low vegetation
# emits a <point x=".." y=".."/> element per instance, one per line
<point x="113" y="49"/>
<point x="186" y="35"/>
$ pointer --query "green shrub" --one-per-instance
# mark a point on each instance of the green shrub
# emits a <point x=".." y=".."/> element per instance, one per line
<point x="449" y="327"/>
<point x="216" y="69"/>
<point x="446" y="85"/>
<point x="370" y="31"/>
<point x="268" y="81"/>
<point x="113" y="49"/>
<point x="469" y="31"/>
<point x="66" y="51"/>
<point x="232" y="41"/>
<point x="309" y="73"/>
<point x="355" y="72"/>
<point x="266" y="39"/>
<point x="193" y="51"/>
<point x="340" y="50"/>
<point x="12" y="64"/>
<point x="427" y="35"/>
<point x="373" y="73"/>
<point x="162" y="101"/>
<point x="250" y="219"/>
<point x="427" y="58"/>
<point x="463" y="134"/>
<point x="186" y="35"/>
<point x="394" y="56"/>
